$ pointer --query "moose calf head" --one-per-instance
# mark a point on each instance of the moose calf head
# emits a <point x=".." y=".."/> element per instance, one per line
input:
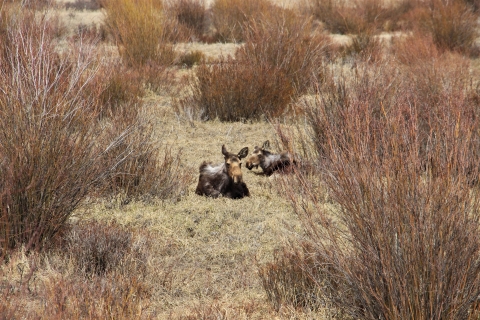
<point x="225" y="178"/>
<point x="268" y="161"/>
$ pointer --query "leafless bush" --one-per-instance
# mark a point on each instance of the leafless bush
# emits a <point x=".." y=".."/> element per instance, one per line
<point x="123" y="87"/>
<point x="364" y="47"/>
<point x="253" y="92"/>
<point x="360" y="16"/>
<point x="286" y="42"/>
<point x="58" y="141"/>
<point x="230" y="16"/>
<point x="95" y="270"/>
<point x="277" y="63"/>
<point x="97" y="248"/>
<point x="148" y="172"/>
<point x="142" y="167"/>
<point x="402" y="236"/>
<point x="415" y="49"/>
<point x="189" y="13"/>
<point x="46" y="144"/>
<point x="452" y="24"/>
<point x="139" y="31"/>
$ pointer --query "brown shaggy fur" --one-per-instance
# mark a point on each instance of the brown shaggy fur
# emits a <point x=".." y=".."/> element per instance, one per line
<point x="224" y="179"/>
<point x="268" y="161"/>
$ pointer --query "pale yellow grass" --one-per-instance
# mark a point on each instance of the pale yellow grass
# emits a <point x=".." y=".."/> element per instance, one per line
<point x="75" y="19"/>
<point x="211" y="51"/>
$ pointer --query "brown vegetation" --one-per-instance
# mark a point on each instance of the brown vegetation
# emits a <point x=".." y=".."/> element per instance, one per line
<point x="191" y="14"/>
<point x="100" y="141"/>
<point x="56" y="148"/>
<point x="229" y="17"/>
<point x="277" y="63"/>
<point x="138" y="30"/>
<point x="451" y="24"/>
<point x="398" y="162"/>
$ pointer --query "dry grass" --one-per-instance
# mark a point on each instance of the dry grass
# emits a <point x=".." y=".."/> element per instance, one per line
<point x="202" y="263"/>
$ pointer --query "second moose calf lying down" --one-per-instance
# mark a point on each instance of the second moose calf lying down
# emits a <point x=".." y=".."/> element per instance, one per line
<point x="268" y="161"/>
<point x="223" y="179"/>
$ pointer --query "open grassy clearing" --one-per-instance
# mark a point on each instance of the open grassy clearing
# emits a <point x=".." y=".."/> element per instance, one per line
<point x="213" y="245"/>
<point x="202" y="261"/>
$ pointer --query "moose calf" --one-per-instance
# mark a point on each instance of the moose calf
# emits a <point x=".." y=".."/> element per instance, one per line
<point x="225" y="178"/>
<point x="268" y="161"/>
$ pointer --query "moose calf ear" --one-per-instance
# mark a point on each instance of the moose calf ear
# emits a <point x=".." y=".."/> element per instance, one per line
<point x="243" y="153"/>
<point x="266" y="145"/>
<point x="224" y="150"/>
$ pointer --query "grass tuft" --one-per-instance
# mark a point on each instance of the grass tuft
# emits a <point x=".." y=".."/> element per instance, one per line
<point x="292" y="279"/>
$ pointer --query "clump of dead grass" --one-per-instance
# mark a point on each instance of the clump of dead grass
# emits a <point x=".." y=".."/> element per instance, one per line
<point x="292" y="278"/>
<point x="192" y="58"/>
<point x="97" y="270"/>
